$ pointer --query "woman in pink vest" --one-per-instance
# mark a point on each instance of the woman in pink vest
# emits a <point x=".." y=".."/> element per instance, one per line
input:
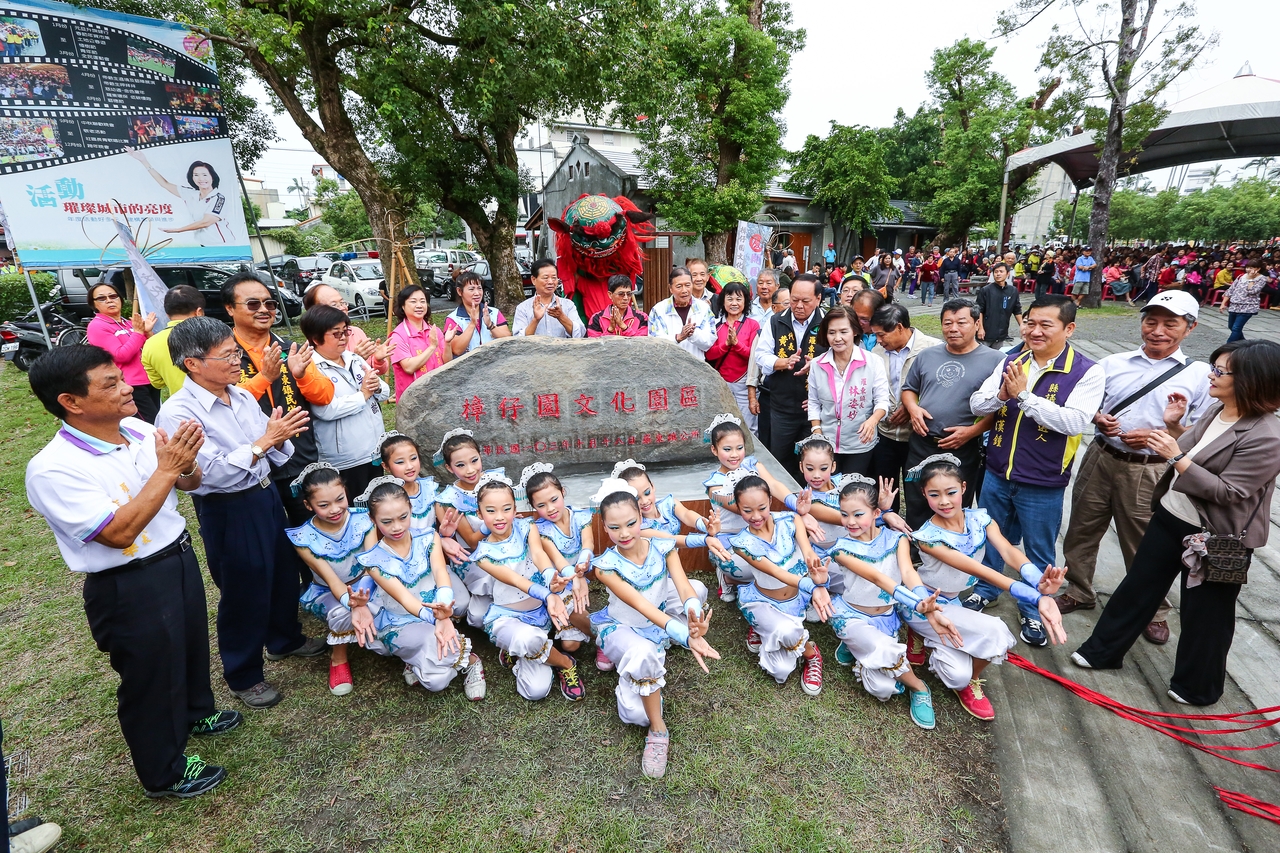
<point x="848" y="392"/>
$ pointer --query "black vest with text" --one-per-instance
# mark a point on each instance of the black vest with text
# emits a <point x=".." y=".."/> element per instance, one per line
<point x="285" y="393"/>
<point x="788" y="392"/>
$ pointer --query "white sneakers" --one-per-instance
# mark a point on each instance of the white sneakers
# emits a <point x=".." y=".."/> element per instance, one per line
<point x="475" y="685"/>
<point x="37" y="839"/>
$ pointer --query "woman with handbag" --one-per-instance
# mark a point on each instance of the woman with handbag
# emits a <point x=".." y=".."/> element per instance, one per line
<point x="1211" y="510"/>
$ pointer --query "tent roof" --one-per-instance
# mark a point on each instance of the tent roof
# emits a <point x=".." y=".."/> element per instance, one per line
<point x="1238" y="118"/>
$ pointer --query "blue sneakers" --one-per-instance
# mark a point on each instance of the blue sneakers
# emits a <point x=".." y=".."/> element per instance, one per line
<point x="1033" y="633"/>
<point x="976" y="603"/>
<point x="922" y="708"/>
<point x="844" y="657"/>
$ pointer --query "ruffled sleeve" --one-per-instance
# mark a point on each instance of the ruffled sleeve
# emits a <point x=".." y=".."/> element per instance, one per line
<point x="977" y="519"/>
<point x="750" y="544"/>
<point x="301" y="537"/>
<point x="930" y="534"/>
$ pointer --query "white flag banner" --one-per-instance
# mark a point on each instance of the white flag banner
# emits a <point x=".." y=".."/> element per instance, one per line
<point x="150" y="288"/>
<point x="749" y="249"/>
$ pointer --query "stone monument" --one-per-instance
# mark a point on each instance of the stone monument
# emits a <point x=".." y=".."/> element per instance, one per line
<point x="581" y="405"/>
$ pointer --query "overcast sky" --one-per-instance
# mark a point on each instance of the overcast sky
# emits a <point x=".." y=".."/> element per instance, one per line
<point x="865" y="60"/>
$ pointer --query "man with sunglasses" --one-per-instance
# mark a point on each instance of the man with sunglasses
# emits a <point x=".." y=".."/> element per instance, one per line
<point x="278" y="374"/>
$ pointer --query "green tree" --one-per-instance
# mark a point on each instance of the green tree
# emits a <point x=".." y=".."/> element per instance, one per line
<point x="705" y="96"/>
<point x="1250" y="211"/>
<point x="911" y="148"/>
<point x="1125" y="60"/>
<point x="983" y="121"/>
<point x="1062" y="219"/>
<point x="417" y="101"/>
<point x="846" y="174"/>
<point x="346" y="215"/>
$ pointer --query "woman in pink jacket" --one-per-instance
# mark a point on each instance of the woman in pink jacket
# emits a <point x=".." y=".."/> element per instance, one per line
<point x="124" y="339"/>
<point x="736" y="334"/>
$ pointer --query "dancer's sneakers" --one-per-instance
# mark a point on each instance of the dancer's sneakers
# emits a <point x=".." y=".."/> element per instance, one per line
<point x="654" y="761"/>
<point x="340" y="683"/>
<point x="505" y="659"/>
<point x="474" y="684"/>
<point x="728" y="591"/>
<point x="811" y="675"/>
<point x="922" y="708"/>
<point x="916" y="650"/>
<point x="972" y="700"/>
<point x="219" y="722"/>
<point x="571" y="684"/>
<point x="410" y="677"/>
<point x="844" y="657"/>
<point x="753" y="641"/>
<point x="602" y="661"/>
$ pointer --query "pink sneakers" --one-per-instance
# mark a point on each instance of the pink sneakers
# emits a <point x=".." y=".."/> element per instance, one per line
<point x="654" y="761"/>
<point x="340" y="683"/>
<point x="973" y="701"/>
<point x="602" y="661"/>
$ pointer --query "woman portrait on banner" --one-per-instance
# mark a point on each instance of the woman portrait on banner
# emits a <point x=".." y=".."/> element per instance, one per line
<point x="207" y="206"/>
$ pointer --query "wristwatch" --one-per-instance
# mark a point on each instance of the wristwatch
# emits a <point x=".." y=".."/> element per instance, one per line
<point x="1023" y="395"/>
<point x="257" y="451"/>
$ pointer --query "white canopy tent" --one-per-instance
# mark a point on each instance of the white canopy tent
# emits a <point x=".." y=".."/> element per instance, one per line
<point x="1238" y="118"/>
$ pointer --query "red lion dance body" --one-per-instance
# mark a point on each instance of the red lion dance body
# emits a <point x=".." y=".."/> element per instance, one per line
<point x="599" y="237"/>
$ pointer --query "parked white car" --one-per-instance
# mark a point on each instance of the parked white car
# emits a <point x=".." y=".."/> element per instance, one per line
<point x="357" y="280"/>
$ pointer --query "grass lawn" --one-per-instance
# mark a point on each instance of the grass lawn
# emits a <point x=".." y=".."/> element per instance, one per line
<point x="390" y="768"/>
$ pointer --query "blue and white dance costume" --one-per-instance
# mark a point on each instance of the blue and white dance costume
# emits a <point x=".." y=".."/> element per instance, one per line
<point x="667" y="520"/>
<point x="637" y="646"/>
<point x="985" y="637"/>
<point x="736" y="570"/>
<point x="423" y="520"/>
<point x="517" y="622"/>
<point x="339" y="552"/>
<point x="780" y="624"/>
<point x="872" y="639"/>
<point x="478" y="583"/>
<point x="407" y="635"/>
<point x="570" y="548"/>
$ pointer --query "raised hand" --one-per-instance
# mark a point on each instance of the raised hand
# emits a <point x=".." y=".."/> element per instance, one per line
<point x="713" y="521"/>
<point x="299" y="358"/>
<point x="929" y="605"/>
<point x="370" y="384"/>
<point x="282" y="427"/>
<point x="699" y="625"/>
<point x="449" y="524"/>
<point x="362" y="625"/>
<point x="1175" y="410"/>
<point x="1052" y="619"/>
<point x="271" y="359"/>
<point x="888" y="494"/>
<point x="804" y="501"/>
<point x="380" y="351"/>
<point x="177" y="455"/>
<point x="715" y="546"/>
<point x="357" y="597"/>
<point x="1014" y="383"/>
<point x="1051" y="581"/>
<point x="446" y="637"/>
<point x="1163" y="444"/>
<point x="365" y="349"/>
<point x="558" y="583"/>
<point x="539" y="310"/>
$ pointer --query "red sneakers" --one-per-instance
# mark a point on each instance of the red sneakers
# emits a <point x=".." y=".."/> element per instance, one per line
<point x="340" y="683"/>
<point x="916" y="650"/>
<point x="973" y="701"/>
<point x="753" y="641"/>
<point x="811" y="675"/>
<point x="602" y="661"/>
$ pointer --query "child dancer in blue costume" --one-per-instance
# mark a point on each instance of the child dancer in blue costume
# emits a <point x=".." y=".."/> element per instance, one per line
<point x="643" y="577"/>
<point x="566" y="537"/>
<point x="774" y="603"/>
<point x="729" y="446"/>
<point x="822" y="489"/>
<point x="414" y="600"/>
<point x="951" y="545"/>
<point x="328" y="543"/>
<point x="876" y="563"/>
<point x="400" y="458"/>
<point x="457" y="514"/>
<point x="527" y="607"/>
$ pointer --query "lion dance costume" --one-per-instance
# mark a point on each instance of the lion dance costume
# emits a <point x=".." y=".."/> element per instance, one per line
<point x="599" y="237"/>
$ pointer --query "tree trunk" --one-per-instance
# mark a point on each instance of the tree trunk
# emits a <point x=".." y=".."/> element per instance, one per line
<point x="716" y="247"/>
<point x="497" y="242"/>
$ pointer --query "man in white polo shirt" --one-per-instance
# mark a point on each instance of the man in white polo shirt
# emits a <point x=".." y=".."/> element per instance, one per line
<point x="105" y="484"/>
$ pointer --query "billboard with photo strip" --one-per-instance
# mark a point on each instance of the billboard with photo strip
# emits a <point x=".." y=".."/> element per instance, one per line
<point x="106" y="116"/>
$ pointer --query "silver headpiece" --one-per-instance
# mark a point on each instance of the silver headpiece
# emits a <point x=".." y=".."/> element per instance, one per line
<point x="624" y="465"/>
<point x="438" y="458"/>
<point x="527" y="474"/>
<point x="732" y="479"/>
<point x="373" y="484"/>
<point x="914" y="472"/>
<point x="611" y="486"/>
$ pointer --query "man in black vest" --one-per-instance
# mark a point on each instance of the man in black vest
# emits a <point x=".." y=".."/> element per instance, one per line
<point x="783" y="350"/>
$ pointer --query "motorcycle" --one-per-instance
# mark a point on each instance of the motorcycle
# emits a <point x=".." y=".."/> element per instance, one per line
<point x="22" y="341"/>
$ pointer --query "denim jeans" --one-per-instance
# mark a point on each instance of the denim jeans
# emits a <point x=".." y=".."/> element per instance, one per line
<point x="1031" y="515"/>
<point x="1235" y="322"/>
<point x="926" y="292"/>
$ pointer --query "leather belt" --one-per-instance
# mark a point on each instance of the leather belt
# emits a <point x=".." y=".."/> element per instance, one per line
<point x="182" y="543"/>
<point x="222" y="496"/>
<point x="1135" y="458"/>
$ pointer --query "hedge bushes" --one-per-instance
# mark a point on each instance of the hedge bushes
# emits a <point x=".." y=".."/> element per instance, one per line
<point x="15" y="301"/>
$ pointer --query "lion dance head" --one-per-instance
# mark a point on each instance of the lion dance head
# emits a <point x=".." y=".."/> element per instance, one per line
<point x="598" y="237"/>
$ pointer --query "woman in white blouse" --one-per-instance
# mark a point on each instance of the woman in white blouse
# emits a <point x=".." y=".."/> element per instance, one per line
<point x="848" y="392"/>
<point x="207" y="206"/>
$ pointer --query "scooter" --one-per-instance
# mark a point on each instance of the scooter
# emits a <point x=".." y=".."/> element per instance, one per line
<point x="22" y="342"/>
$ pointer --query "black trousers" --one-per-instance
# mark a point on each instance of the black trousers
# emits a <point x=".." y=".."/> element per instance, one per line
<point x="252" y="563"/>
<point x="855" y="463"/>
<point x="785" y="429"/>
<point x="1208" y="613"/>
<point x="889" y="459"/>
<point x="356" y="480"/>
<point x="920" y="447"/>
<point x="153" y="623"/>
<point x="764" y="428"/>
<point x="147" y="399"/>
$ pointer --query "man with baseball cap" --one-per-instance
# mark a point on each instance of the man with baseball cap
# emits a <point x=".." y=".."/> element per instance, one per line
<point x="1118" y="473"/>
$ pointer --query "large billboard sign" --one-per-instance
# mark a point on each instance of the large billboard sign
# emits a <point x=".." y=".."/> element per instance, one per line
<point x="106" y="116"/>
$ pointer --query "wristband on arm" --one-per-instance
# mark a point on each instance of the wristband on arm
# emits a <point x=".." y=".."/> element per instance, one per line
<point x="538" y="591"/>
<point x="693" y="607"/>
<point x="426" y="615"/>
<point x="444" y="595"/>
<point x="345" y="601"/>
<point x="584" y="558"/>
<point x="678" y="632"/>
<point x="1030" y="574"/>
<point x="569" y="572"/>
<point x="695" y="540"/>
<point x="701" y="526"/>
<point x="1025" y="593"/>
<point x="906" y="597"/>
<point x="790" y="501"/>
<point x="807" y="585"/>
<point x="365" y="584"/>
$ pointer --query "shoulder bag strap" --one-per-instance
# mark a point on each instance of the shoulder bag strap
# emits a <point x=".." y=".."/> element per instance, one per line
<point x="1149" y="387"/>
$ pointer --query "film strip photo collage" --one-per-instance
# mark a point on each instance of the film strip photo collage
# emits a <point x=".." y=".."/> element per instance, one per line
<point x="108" y="89"/>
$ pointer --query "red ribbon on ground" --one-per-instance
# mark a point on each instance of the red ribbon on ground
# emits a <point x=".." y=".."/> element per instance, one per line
<point x="1243" y="721"/>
